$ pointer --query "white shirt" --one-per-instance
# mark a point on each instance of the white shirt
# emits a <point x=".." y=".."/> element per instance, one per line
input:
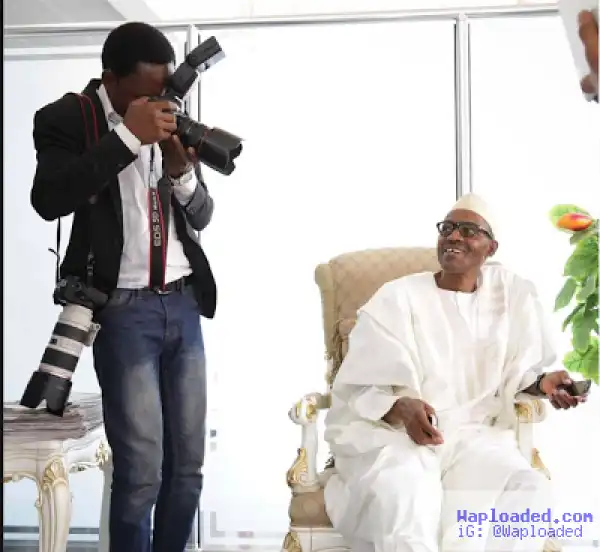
<point x="134" y="272"/>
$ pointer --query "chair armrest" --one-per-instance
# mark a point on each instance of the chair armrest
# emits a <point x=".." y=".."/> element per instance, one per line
<point x="306" y="410"/>
<point x="302" y="477"/>
<point x="529" y="410"/>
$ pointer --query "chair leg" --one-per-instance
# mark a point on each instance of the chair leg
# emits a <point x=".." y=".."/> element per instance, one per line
<point x="536" y="462"/>
<point x="551" y="545"/>
<point x="291" y="542"/>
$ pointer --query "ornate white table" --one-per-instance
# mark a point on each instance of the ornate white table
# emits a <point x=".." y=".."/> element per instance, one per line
<point x="49" y="464"/>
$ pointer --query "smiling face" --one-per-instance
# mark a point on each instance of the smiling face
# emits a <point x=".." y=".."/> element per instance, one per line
<point x="465" y="242"/>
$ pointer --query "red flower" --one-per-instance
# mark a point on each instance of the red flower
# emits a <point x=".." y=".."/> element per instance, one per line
<point x="574" y="221"/>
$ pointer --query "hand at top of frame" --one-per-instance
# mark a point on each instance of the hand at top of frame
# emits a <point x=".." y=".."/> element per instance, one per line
<point x="588" y="32"/>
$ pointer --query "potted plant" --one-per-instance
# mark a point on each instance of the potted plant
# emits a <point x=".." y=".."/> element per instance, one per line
<point x="580" y="289"/>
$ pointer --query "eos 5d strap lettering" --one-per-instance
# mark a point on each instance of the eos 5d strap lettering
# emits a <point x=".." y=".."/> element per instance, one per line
<point x="159" y="199"/>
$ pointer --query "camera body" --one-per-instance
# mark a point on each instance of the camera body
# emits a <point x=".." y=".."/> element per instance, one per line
<point x="72" y="291"/>
<point x="214" y="147"/>
<point x="74" y="330"/>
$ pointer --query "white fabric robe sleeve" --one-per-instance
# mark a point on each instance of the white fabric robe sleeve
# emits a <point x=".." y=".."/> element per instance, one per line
<point x="530" y="348"/>
<point x="379" y="368"/>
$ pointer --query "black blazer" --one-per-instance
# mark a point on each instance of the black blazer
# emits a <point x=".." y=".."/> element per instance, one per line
<point x="72" y="179"/>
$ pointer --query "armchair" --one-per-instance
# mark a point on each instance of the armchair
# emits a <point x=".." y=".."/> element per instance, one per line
<point x="346" y="283"/>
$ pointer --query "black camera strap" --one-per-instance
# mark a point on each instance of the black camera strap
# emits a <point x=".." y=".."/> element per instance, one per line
<point x="159" y="203"/>
<point x="92" y="136"/>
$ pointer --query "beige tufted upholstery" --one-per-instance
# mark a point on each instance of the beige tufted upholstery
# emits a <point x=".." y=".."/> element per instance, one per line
<point x="308" y="510"/>
<point x="346" y="283"/>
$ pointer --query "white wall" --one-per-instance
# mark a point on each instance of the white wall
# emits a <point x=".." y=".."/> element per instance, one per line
<point x="35" y="12"/>
<point x="70" y="11"/>
<point x="180" y="10"/>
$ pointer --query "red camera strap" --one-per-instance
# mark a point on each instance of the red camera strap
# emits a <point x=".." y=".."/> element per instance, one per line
<point x="91" y="136"/>
<point x="159" y="200"/>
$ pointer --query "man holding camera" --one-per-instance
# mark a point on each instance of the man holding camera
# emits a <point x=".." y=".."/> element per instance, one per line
<point x="111" y="157"/>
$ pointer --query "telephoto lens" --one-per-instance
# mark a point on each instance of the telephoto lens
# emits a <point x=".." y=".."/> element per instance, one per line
<point x="51" y="382"/>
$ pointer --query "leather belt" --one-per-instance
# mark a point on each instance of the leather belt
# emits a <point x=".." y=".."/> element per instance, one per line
<point x="171" y="287"/>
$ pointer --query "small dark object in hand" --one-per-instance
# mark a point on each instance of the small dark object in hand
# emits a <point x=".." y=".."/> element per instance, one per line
<point x="433" y="420"/>
<point x="577" y="388"/>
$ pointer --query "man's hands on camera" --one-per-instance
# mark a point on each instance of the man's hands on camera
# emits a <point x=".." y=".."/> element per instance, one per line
<point x="178" y="160"/>
<point x="149" y="121"/>
<point x="414" y="415"/>
<point x="152" y="122"/>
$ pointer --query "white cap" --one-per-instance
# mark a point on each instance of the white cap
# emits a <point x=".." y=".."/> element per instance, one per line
<point x="476" y="204"/>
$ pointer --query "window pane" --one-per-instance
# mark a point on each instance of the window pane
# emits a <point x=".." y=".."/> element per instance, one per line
<point x="535" y="144"/>
<point x="349" y="144"/>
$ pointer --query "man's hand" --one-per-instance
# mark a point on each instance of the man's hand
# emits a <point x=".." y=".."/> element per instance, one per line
<point x="413" y="413"/>
<point x="149" y="121"/>
<point x="177" y="159"/>
<point x="551" y="385"/>
<point x="588" y="32"/>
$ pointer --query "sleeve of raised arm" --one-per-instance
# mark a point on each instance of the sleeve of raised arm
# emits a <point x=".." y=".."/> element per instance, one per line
<point x="67" y="175"/>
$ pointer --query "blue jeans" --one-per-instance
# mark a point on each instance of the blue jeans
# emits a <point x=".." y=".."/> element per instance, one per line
<point x="149" y="359"/>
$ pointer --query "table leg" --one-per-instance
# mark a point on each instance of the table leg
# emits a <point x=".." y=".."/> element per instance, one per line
<point x="54" y="506"/>
<point x="107" y="469"/>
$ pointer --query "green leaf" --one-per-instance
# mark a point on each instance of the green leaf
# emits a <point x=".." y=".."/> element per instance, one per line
<point x="582" y="326"/>
<point x="581" y="337"/>
<point x="592" y="301"/>
<point x="588" y="288"/>
<point x="559" y="210"/>
<point x="569" y="318"/>
<point x="591" y="308"/>
<point x="585" y="363"/>
<point x="565" y="294"/>
<point x="583" y="261"/>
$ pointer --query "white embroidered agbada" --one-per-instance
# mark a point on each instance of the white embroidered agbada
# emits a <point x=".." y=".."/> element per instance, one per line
<point x="467" y="355"/>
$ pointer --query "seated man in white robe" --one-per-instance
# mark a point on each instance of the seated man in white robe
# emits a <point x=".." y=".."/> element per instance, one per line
<point x="422" y="417"/>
